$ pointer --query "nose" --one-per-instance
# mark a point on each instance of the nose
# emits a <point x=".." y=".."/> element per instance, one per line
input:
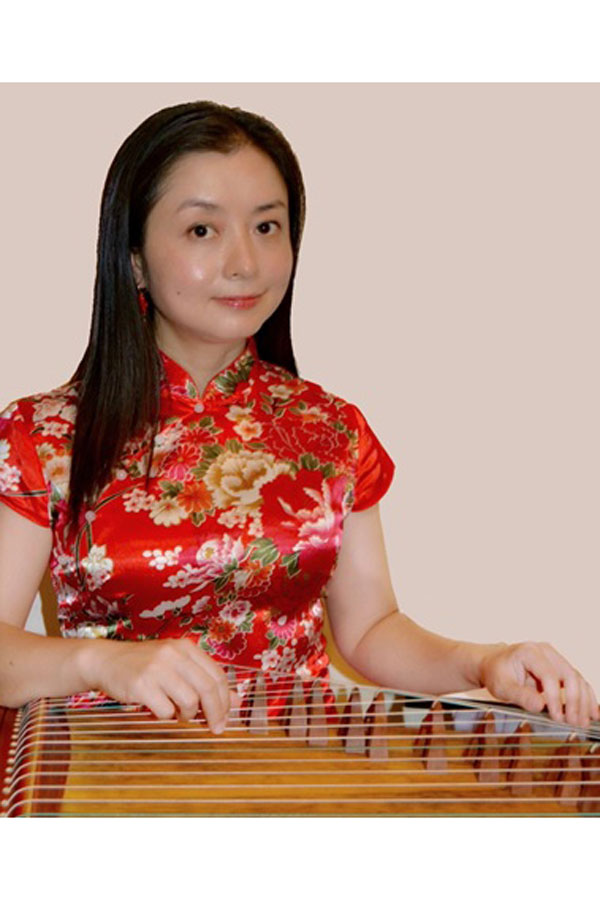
<point x="240" y="257"/>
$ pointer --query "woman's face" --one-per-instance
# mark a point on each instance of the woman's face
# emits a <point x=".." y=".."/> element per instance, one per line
<point x="220" y="229"/>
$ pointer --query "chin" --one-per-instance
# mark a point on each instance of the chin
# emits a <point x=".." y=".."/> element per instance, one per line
<point x="226" y="335"/>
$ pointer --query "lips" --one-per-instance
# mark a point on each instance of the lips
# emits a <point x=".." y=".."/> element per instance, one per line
<point x="241" y="301"/>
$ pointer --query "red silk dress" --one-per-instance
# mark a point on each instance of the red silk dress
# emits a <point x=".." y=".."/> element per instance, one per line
<point x="235" y="540"/>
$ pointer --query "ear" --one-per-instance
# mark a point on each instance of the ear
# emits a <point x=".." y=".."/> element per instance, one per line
<point x="137" y="265"/>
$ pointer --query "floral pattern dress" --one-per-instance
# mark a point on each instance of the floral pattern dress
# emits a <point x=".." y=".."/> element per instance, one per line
<point x="238" y="534"/>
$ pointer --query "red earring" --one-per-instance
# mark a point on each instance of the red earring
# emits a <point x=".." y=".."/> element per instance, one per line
<point x="143" y="301"/>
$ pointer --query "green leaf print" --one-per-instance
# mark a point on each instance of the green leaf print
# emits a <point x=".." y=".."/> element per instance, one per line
<point x="227" y="383"/>
<point x="170" y="489"/>
<point x="197" y="518"/>
<point x="328" y="470"/>
<point x="233" y="446"/>
<point x="221" y="581"/>
<point x="211" y="451"/>
<point x="202" y="643"/>
<point x="308" y="461"/>
<point x="226" y="574"/>
<point x="246" y="625"/>
<point x="265" y="551"/>
<point x="208" y="422"/>
<point x="291" y="563"/>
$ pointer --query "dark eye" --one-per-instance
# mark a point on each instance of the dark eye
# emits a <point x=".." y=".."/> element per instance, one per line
<point x="199" y="228"/>
<point x="271" y="222"/>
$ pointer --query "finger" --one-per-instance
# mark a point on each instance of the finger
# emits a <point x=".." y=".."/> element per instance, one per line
<point x="209" y="692"/>
<point x="592" y="703"/>
<point x="214" y="671"/>
<point x="147" y="691"/>
<point x="545" y="672"/>
<point x="552" y="692"/>
<point x="182" y="693"/>
<point x="588" y="704"/>
<point x="568" y="678"/>
<point x="158" y="703"/>
<point x="581" y="703"/>
<point x="224" y="693"/>
<point x="213" y="708"/>
<point x="574" y="708"/>
<point x="528" y="697"/>
<point x="590" y="700"/>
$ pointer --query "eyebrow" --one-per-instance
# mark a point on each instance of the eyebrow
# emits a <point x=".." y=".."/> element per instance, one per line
<point x="214" y="207"/>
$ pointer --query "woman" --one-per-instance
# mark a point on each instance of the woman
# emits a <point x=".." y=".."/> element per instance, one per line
<point x="186" y="485"/>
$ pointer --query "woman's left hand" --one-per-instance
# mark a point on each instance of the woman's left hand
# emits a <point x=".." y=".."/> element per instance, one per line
<point x="532" y="675"/>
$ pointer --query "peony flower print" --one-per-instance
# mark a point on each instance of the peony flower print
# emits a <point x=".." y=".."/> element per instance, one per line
<point x="233" y="536"/>
<point x="317" y="523"/>
<point x="236" y="477"/>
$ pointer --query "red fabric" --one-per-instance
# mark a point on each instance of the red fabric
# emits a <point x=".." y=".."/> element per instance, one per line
<point x="375" y="469"/>
<point x="22" y="482"/>
<point x="236" y="539"/>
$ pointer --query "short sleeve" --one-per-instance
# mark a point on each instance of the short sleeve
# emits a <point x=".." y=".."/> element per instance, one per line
<point x="374" y="469"/>
<point x="22" y="483"/>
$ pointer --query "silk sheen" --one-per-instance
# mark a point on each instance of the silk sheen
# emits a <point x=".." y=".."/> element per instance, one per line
<point x="235" y="540"/>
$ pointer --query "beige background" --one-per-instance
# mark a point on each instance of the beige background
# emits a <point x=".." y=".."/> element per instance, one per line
<point x="447" y="285"/>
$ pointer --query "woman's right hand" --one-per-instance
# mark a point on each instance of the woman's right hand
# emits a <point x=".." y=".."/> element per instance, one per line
<point x="167" y="676"/>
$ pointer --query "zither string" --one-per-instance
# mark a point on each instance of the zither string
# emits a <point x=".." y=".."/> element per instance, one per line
<point x="211" y="740"/>
<point x="43" y="721"/>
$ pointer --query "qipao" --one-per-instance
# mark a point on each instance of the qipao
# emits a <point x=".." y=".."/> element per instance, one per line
<point x="238" y="533"/>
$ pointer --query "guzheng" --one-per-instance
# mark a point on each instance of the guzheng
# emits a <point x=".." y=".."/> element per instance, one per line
<point x="332" y="750"/>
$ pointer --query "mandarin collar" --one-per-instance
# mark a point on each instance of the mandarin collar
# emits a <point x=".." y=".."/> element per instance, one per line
<point x="177" y="383"/>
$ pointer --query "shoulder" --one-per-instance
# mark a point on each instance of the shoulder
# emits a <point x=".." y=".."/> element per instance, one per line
<point x="48" y="413"/>
<point x="278" y="383"/>
<point x="43" y="405"/>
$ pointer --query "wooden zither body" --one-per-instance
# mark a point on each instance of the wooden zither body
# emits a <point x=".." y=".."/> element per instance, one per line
<point x="361" y="752"/>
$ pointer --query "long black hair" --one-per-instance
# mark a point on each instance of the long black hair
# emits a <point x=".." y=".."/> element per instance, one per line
<point x="118" y="377"/>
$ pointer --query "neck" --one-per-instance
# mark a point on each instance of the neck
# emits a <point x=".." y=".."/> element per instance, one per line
<point x="201" y="360"/>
